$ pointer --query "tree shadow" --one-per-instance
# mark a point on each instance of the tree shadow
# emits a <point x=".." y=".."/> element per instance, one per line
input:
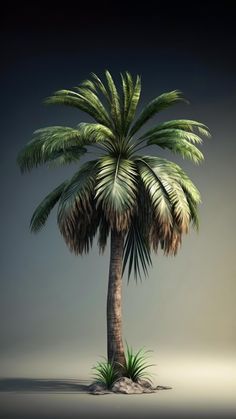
<point x="41" y="385"/>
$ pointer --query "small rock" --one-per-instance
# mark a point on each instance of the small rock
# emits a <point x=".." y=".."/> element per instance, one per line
<point x="144" y="383"/>
<point x="98" y="389"/>
<point x="125" y="385"/>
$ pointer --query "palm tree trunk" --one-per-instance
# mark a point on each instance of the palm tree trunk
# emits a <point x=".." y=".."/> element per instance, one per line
<point x="115" y="348"/>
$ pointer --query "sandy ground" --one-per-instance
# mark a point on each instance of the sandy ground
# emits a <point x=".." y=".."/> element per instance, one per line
<point x="202" y="388"/>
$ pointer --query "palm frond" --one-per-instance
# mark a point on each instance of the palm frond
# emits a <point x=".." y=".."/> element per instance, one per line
<point x="192" y="194"/>
<point x="170" y="245"/>
<point x="91" y="97"/>
<point x="78" y="219"/>
<point x="87" y="102"/>
<point x="176" y="197"/>
<point x="127" y="87"/>
<point x="63" y="157"/>
<point x="101" y="87"/>
<point x="45" y="143"/>
<point x="136" y="250"/>
<point x="131" y="95"/>
<point x="173" y="133"/>
<point x="89" y="84"/>
<point x="178" y="141"/>
<point x="176" y="173"/>
<point x="94" y="133"/>
<point x="179" y="124"/>
<point x="116" y="189"/>
<point x="43" y="210"/>
<point x="114" y="102"/>
<point x="184" y="199"/>
<point x="193" y="207"/>
<point x="156" y="105"/>
<point x="64" y="144"/>
<point x="97" y="133"/>
<point x="180" y="207"/>
<point x="158" y="194"/>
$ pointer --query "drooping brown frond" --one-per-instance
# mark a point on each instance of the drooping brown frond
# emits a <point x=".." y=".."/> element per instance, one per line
<point x="78" y="218"/>
<point x="80" y="233"/>
<point x="169" y="242"/>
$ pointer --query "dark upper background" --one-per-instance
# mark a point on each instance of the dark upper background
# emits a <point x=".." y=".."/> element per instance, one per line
<point x="49" y="298"/>
<point x="207" y="31"/>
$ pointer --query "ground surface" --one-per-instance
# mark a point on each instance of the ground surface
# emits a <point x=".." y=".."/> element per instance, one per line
<point x="202" y="388"/>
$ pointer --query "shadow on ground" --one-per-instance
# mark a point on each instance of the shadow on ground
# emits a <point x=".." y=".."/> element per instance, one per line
<point x="41" y="385"/>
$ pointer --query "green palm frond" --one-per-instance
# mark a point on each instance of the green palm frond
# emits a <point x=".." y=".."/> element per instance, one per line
<point x="174" y="134"/>
<point x="175" y="195"/>
<point x="78" y="218"/>
<point x="116" y="189"/>
<point x="131" y="95"/>
<point x="94" y="133"/>
<point x="158" y="194"/>
<point x="64" y="144"/>
<point x="86" y="101"/>
<point x="179" y="124"/>
<point x="178" y="141"/>
<point x="178" y="200"/>
<point x="193" y="206"/>
<point x="45" y="143"/>
<point x="63" y="157"/>
<point x="177" y="174"/>
<point x="115" y="102"/>
<point x="156" y="105"/>
<point x="97" y="134"/>
<point x="191" y="192"/>
<point x="92" y="98"/>
<point x="127" y="87"/>
<point x="89" y="84"/>
<point x="43" y="210"/>
<point x="101" y="87"/>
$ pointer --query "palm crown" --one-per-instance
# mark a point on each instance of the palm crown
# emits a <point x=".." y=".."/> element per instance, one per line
<point x="148" y="198"/>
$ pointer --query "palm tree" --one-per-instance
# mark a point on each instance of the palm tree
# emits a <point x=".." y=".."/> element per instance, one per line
<point x="142" y="202"/>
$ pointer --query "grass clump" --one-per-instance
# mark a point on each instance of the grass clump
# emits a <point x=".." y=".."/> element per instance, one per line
<point x="105" y="373"/>
<point x="137" y="364"/>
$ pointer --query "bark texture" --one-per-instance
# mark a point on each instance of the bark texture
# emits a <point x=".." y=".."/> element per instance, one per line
<point x="115" y="347"/>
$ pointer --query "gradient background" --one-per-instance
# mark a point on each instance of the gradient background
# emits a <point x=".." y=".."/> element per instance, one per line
<point x="52" y="303"/>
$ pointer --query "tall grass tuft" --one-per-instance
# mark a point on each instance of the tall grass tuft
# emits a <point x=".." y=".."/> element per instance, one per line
<point x="105" y="374"/>
<point x="136" y="364"/>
